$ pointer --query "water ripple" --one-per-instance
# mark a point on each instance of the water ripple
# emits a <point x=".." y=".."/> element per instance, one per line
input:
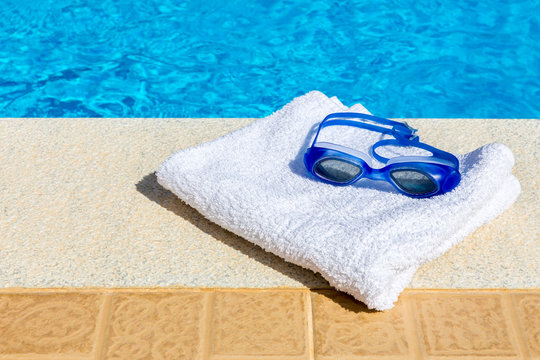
<point x="231" y="58"/>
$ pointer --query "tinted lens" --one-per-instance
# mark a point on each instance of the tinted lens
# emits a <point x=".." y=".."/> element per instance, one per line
<point x="337" y="170"/>
<point x="413" y="182"/>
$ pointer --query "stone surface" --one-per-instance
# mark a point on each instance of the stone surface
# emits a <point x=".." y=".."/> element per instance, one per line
<point x="48" y="323"/>
<point x="80" y="206"/>
<point x="465" y="325"/>
<point x="259" y="324"/>
<point x="219" y="324"/>
<point x="155" y="326"/>
<point x="343" y="326"/>
<point x="528" y="309"/>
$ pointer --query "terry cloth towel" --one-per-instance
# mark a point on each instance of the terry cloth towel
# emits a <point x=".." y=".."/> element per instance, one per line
<point x="365" y="239"/>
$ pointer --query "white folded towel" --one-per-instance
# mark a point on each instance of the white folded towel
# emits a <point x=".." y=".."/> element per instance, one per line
<point x="365" y="239"/>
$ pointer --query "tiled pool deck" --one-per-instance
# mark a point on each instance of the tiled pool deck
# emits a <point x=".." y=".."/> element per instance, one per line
<point x="267" y="324"/>
<point x="80" y="207"/>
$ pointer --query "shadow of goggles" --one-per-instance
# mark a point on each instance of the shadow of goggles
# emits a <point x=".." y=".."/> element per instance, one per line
<point x="414" y="176"/>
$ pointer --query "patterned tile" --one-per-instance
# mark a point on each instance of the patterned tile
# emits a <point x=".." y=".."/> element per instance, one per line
<point x="267" y="324"/>
<point x="166" y="325"/>
<point x="464" y="324"/>
<point x="48" y="324"/>
<point x="259" y="323"/>
<point x="346" y="327"/>
<point x="528" y="310"/>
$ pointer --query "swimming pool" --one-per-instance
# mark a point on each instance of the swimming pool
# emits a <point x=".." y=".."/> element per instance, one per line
<point x="231" y="58"/>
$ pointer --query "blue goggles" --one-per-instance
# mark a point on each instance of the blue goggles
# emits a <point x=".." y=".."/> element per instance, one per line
<point x="414" y="176"/>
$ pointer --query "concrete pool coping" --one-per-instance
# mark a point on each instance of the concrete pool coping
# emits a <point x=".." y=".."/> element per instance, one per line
<point x="80" y="206"/>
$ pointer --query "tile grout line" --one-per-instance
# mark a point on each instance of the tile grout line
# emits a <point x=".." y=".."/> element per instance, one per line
<point x="33" y="356"/>
<point x="206" y="338"/>
<point x="411" y="328"/>
<point x="101" y="326"/>
<point x="309" y="316"/>
<point x="515" y="323"/>
<point x="102" y="290"/>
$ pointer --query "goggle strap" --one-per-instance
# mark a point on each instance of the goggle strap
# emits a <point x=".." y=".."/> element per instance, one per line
<point x="400" y="130"/>
<point x="413" y="143"/>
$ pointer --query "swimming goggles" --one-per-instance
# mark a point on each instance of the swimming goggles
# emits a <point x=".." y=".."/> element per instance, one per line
<point x="415" y="176"/>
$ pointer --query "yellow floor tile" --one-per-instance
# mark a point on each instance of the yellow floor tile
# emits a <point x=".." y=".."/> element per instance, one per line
<point x="278" y="324"/>
<point x="345" y="328"/>
<point x="166" y="325"/>
<point x="528" y="311"/>
<point x="257" y="324"/>
<point x="462" y="324"/>
<point x="48" y="324"/>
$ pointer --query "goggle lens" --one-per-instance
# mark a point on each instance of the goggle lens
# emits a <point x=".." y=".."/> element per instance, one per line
<point x="338" y="171"/>
<point x="413" y="182"/>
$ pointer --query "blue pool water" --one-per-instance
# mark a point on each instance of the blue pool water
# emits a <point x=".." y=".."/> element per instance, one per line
<point x="232" y="58"/>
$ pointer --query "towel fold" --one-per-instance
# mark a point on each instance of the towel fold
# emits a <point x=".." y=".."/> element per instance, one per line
<point x="365" y="239"/>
